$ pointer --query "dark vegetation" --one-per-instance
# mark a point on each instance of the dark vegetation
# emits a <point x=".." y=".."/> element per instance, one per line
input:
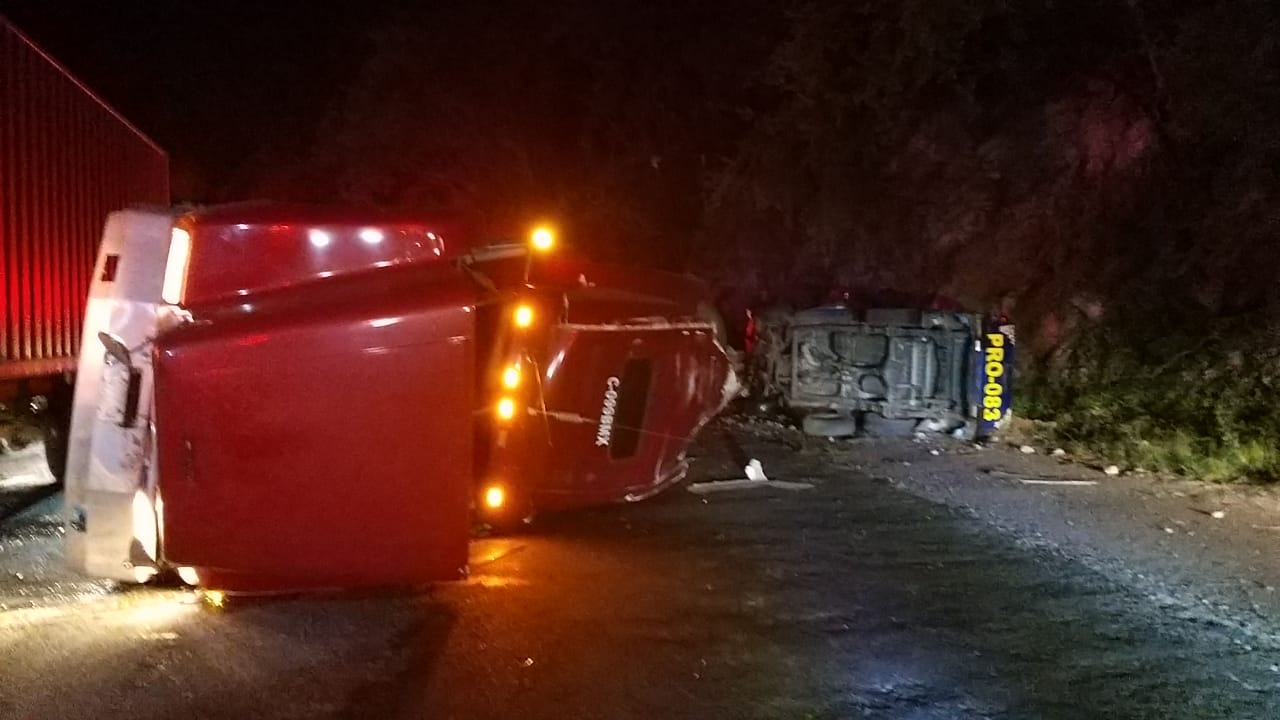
<point x="1105" y="171"/>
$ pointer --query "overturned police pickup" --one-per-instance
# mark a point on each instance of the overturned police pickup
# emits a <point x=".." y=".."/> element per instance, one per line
<point x="841" y="369"/>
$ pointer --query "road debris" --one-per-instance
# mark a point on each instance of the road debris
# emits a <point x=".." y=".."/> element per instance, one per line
<point x="703" y="488"/>
<point x="755" y="478"/>
<point x="1026" y="479"/>
<point x="1112" y="470"/>
<point x="1027" y="450"/>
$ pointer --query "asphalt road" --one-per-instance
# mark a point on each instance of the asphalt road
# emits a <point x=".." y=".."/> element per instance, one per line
<point x="856" y="598"/>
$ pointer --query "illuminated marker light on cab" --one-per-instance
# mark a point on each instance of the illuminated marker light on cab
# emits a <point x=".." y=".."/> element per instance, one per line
<point x="175" y="267"/>
<point x="523" y="316"/>
<point x="542" y="239"/>
<point x="506" y="408"/>
<point x="371" y="236"/>
<point x="319" y="238"/>
<point x="511" y="377"/>
<point x="495" y="497"/>
<point x="189" y="575"/>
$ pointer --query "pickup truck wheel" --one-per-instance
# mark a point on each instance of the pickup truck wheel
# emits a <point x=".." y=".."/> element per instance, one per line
<point x="876" y="425"/>
<point x="829" y="425"/>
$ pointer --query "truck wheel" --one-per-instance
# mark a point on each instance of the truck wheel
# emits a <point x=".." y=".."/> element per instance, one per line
<point x="829" y="425"/>
<point x="57" y="430"/>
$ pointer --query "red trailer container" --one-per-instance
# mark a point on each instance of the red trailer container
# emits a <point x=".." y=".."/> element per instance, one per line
<point x="67" y="159"/>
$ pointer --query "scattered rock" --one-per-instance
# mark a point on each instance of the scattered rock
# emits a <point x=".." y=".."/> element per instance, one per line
<point x="1218" y="514"/>
<point x="1169" y="530"/>
<point x="1059" y="452"/>
<point x="935" y="453"/>
<point x="1027" y="450"/>
<point x="1112" y="470"/>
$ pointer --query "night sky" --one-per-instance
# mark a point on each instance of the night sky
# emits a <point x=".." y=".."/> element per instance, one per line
<point x="211" y="82"/>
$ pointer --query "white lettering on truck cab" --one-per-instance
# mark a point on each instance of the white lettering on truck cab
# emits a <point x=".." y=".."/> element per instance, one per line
<point x="604" y="431"/>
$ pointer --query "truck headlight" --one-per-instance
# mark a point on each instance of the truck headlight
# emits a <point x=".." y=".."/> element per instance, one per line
<point x="175" y="268"/>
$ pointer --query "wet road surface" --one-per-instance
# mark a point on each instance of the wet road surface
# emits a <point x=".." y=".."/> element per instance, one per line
<point x="854" y="599"/>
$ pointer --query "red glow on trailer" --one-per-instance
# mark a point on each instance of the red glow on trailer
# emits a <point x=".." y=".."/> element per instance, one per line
<point x="66" y="161"/>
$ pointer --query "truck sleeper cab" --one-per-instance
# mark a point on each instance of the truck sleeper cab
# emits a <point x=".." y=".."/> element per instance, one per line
<point x="278" y="398"/>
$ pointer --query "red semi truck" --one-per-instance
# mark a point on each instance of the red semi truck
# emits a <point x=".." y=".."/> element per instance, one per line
<point x="66" y="160"/>
<point x="279" y="398"/>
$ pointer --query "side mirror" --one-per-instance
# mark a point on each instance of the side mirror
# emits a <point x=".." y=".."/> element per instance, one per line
<point x="116" y="348"/>
<point x="118" y="352"/>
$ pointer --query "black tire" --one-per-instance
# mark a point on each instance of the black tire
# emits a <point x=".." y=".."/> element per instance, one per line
<point x="876" y="425"/>
<point x="829" y="425"/>
<point x="57" y="429"/>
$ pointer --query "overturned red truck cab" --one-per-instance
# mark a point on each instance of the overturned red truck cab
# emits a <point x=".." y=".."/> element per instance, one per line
<point x="275" y="398"/>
